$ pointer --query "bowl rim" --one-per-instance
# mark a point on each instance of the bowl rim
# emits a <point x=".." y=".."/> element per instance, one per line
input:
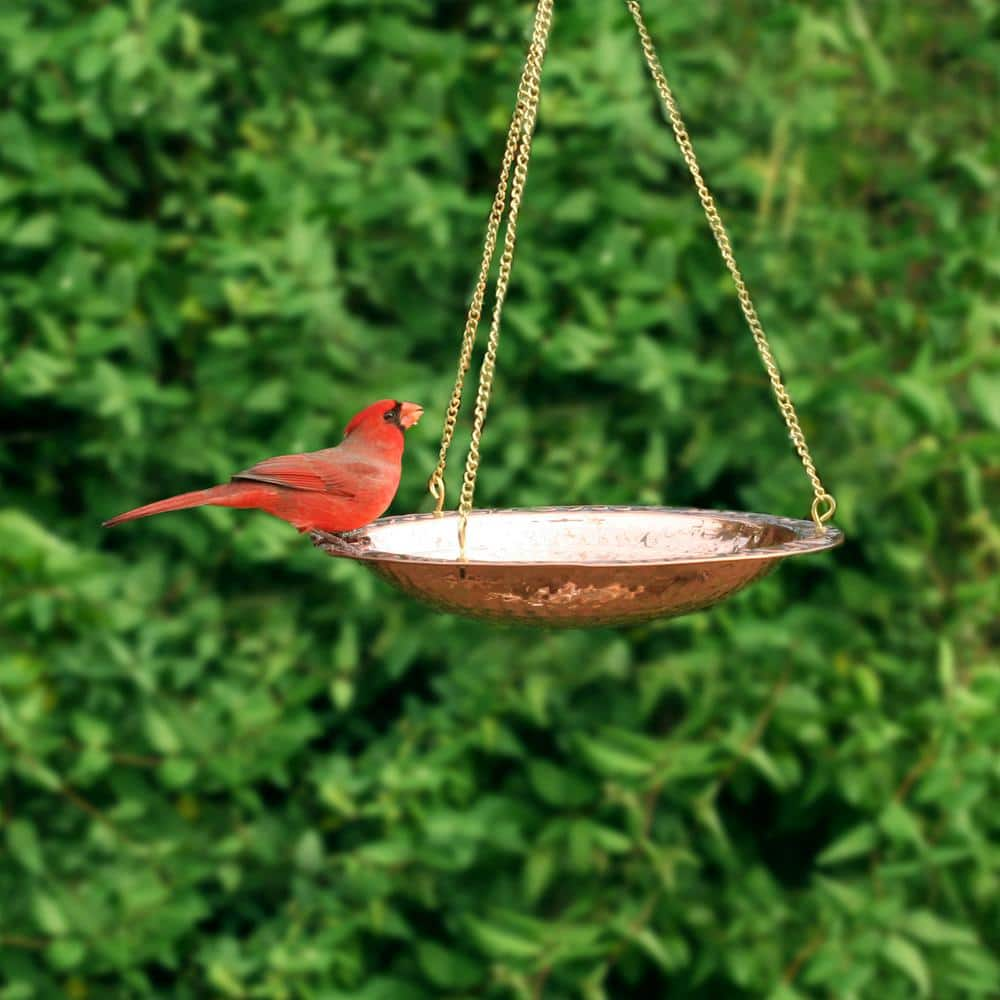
<point x="806" y="537"/>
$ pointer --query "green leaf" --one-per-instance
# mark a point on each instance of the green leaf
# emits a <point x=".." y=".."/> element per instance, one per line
<point x="850" y="898"/>
<point x="309" y="854"/>
<point x="765" y="764"/>
<point x="559" y="786"/>
<point x="178" y="772"/>
<point x="906" y="957"/>
<point x="612" y="760"/>
<point x="344" y="42"/>
<point x="670" y="953"/>
<point x="930" y="402"/>
<point x="448" y="969"/>
<point x="984" y="391"/>
<point x="38" y="231"/>
<point x="91" y="61"/>
<point x="501" y="941"/>
<point x="930" y="928"/>
<point x="857" y="841"/>
<point x="66" y="953"/>
<point x="24" y="844"/>
<point x="539" y="870"/>
<point x="160" y="732"/>
<point x="900" y="825"/>
<point x="342" y="692"/>
<point x="48" y="914"/>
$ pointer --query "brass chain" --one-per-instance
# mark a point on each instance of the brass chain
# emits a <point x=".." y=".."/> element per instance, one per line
<point x="532" y="67"/>
<point x="823" y="505"/>
<point x="516" y="155"/>
<point x="529" y="113"/>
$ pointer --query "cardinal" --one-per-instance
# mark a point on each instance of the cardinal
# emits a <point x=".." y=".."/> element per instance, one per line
<point x="333" y="491"/>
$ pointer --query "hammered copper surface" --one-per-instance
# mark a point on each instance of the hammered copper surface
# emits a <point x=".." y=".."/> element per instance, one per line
<point x="581" y="566"/>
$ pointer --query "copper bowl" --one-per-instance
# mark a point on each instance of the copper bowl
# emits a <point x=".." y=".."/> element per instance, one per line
<point x="579" y="566"/>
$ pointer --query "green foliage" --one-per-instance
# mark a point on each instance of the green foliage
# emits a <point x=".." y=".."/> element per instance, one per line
<point x="233" y="767"/>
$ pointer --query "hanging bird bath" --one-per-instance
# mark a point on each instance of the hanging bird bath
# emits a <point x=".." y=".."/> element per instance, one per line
<point x="580" y="566"/>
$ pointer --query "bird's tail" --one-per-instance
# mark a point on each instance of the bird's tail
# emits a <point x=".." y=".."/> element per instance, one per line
<point x="227" y="495"/>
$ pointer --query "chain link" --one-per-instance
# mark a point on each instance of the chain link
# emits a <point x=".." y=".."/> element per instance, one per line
<point x="436" y="485"/>
<point x="530" y="94"/>
<point x="823" y="505"/>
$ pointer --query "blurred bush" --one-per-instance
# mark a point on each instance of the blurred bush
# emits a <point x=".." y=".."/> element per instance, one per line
<point x="233" y="767"/>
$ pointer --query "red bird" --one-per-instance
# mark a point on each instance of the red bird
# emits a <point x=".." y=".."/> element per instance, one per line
<point x="334" y="490"/>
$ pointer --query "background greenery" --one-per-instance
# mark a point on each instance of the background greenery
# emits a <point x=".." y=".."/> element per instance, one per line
<point x="233" y="767"/>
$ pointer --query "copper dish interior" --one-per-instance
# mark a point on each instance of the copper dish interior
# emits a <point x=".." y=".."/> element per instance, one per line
<point x="582" y="566"/>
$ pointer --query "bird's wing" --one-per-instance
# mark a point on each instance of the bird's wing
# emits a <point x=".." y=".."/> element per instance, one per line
<point x="304" y="472"/>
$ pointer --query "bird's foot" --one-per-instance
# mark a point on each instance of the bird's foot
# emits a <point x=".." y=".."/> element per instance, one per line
<point x="340" y="543"/>
<point x="356" y="537"/>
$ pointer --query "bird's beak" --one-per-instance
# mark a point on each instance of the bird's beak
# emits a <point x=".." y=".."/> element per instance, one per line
<point x="409" y="414"/>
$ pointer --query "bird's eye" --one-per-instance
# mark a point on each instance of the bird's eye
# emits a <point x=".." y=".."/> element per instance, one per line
<point x="388" y="415"/>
